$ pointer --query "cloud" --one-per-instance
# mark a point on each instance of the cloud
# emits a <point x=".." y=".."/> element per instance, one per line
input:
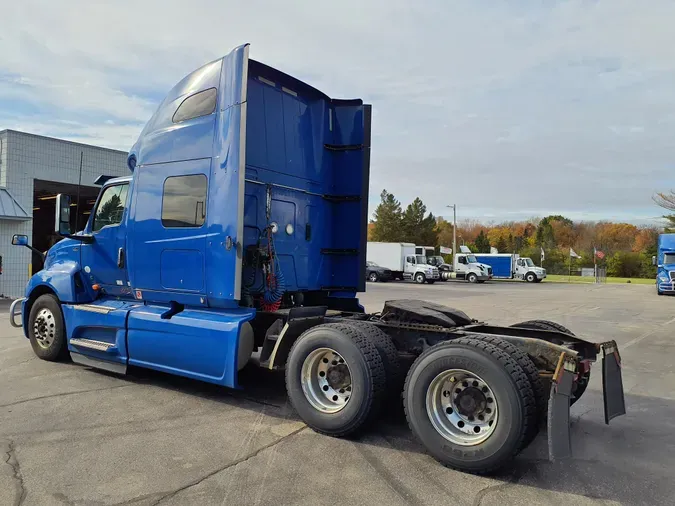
<point x="500" y="107"/>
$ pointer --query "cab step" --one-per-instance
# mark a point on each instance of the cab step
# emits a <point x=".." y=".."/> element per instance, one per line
<point x="92" y="344"/>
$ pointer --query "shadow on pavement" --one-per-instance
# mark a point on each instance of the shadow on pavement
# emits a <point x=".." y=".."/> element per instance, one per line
<point x="630" y="461"/>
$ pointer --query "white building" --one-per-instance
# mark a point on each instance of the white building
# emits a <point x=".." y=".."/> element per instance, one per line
<point x="33" y="169"/>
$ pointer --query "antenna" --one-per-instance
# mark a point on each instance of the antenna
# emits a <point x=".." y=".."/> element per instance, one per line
<point x="79" y="184"/>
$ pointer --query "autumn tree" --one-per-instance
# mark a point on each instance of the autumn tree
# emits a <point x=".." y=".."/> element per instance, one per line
<point x="444" y="231"/>
<point x="388" y="219"/>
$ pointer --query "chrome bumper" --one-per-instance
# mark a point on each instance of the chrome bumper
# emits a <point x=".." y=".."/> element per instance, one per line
<point x="13" y="312"/>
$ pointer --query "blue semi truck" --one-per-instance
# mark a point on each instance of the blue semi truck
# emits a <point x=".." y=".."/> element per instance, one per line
<point x="240" y="237"/>
<point x="665" y="263"/>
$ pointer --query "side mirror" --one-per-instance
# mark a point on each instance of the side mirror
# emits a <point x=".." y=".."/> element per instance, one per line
<point x="62" y="219"/>
<point x="20" y="240"/>
<point x="653" y="260"/>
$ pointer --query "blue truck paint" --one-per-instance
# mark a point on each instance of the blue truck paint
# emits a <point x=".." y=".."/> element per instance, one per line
<point x="273" y="152"/>
<point x="665" y="261"/>
<point x="502" y="265"/>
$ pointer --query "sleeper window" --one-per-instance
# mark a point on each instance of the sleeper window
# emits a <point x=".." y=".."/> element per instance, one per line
<point x="199" y="104"/>
<point x="184" y="201"/>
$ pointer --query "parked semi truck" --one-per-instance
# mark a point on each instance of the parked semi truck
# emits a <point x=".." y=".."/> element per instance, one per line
<point x="242" y="226"/>
<point x="665" y="263"/>
<point x="465" y="265"/>
<point x="403" y="261"/>
<point x="512" y="266"/>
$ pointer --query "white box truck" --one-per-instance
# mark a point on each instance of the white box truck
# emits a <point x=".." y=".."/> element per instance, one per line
<point x="400" y="258"/>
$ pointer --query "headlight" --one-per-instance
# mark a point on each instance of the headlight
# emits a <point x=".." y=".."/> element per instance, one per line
<point x="663" y="279"/>
<point x="429" y="271"/>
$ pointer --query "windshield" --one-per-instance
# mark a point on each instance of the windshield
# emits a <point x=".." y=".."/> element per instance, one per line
<point x="436" y="260"/>
<point x="471" y="259"/>
<point x="371" y="264"/>
<point x="528" y="262"/>
<point x="421" y="259"/>
<point x="669" y="258"/>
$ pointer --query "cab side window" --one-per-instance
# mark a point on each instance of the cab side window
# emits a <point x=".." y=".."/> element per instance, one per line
<point x="110" y="207"/>
<point x="462" y="260"/>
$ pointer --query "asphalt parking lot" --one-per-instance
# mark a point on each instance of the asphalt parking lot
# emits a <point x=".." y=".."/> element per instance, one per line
<point x="70" y="435"/>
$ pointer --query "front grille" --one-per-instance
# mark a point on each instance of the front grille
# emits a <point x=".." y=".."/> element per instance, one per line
<point x="672" y="275"/>
<point x="489" y="270"/>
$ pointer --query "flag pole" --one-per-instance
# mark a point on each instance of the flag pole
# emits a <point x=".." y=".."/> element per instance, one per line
<point x="595" y="264"/>
<point x="569" y="275"/>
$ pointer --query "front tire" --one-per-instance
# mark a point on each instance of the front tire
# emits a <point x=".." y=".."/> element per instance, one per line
<point x="373" y="277"/>
<point x="420" y="278"/>
<point x="447" y="419"/>
<point x="335" y="379"/>
<point x="530" y="277"/>
<point x="472" y="278"/>
<point x="46" y="330"/>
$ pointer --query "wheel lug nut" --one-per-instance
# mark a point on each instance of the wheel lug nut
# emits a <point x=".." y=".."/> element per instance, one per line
<point x="489" y="400"/>
<point x="465" y="384"/>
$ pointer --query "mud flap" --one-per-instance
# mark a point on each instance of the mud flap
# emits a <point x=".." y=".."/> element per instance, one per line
<point x="612" y="382"/>
<point x="559" y="435"/>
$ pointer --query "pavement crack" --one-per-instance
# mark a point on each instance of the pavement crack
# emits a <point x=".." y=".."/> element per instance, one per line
<point x="513" y="481"/>
<point x="13" y="462"/>
<point x="241" y="460"/>
<point x="62" y="394"/>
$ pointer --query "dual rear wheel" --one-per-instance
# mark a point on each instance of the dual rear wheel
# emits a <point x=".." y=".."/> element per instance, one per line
<point x="470" y="402"/>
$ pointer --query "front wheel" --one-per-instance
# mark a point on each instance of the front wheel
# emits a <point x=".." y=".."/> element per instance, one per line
<point x="530" y="277"/>
<point x="420" y="278"/>
<point x="470" y="404"/>
<point x="472" y="278"/>
<point x="46" y="329"/>
<point x="373" y="277"/>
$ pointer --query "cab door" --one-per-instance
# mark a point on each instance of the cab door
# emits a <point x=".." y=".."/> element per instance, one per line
<point x="103" y="260"/>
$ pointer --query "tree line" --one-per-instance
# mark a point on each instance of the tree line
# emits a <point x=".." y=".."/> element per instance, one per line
<point x="625" y="249"/>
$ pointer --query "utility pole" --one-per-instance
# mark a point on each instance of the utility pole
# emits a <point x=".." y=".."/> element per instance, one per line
<point x="454" y="230"/>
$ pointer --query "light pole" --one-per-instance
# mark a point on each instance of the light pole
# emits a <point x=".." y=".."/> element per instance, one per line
<point x="454" y="230"/>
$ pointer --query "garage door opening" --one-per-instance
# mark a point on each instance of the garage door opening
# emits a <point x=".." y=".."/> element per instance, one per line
<point x="44" y="212"/>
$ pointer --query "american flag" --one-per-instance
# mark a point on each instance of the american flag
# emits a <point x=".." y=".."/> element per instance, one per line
<point x="598" y="253"/>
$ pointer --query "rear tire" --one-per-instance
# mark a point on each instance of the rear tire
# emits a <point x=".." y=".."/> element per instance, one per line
<point x="46" y="330"/>
<point x="582" y="384"/>
<point x="530" y="370"/>
<point x="373" y="277"/>
<point x="388" y="354"/>
<point x="341" y="401"/>
<point x="479" y="362"/>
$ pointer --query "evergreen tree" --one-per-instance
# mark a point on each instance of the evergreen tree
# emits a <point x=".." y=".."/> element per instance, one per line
<point x="501" y="245"/>
<point x="387" y="222"/>
<point x="482" y="243"/>
<point x="417" y="228"/>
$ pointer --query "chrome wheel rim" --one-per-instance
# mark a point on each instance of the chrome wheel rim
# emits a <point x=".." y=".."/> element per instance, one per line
<point x="44" y="328"/>
<point x="326" y="380"/>
<point x="373" y="277"/>
<point x="462" y="407"/>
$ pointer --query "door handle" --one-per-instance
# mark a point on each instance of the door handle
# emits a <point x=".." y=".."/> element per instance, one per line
<point x="120" y="258"/>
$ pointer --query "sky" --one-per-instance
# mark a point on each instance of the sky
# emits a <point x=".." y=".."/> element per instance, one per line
<point x="508" y="109"/>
